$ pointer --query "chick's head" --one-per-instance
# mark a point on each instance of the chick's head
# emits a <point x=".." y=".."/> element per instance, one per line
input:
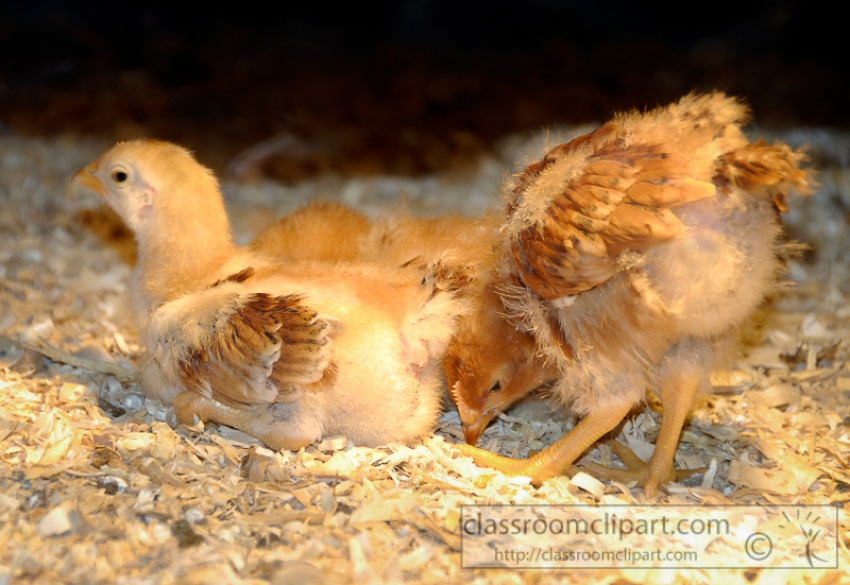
<point x="150" y="181"/>
<point x="489" y="365"/>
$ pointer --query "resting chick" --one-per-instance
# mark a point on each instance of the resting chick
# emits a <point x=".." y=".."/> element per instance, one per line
<point x="287" y="352"/>
<point x="631" y="252"/>
<point x="490" y="363"/>
<point x="323" y="231"/>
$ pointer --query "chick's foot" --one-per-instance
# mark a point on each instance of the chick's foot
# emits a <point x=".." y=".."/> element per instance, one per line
<point x="637" y="471"/>
<point x="271" y="424"/>
<point x="558" y="458"/>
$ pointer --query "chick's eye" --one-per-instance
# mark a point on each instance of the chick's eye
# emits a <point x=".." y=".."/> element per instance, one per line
<point x="496" y="387"/>
<point x="119" y="176"/>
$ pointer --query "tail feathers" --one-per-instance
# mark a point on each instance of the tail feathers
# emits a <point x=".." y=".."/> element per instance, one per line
<point x="772" y="169"/>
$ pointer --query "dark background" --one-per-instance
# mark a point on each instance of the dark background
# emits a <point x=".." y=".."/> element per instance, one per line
<point x="402" y="87"/>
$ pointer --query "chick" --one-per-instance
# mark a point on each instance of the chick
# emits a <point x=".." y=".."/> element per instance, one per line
<point x="632" y="253"/>
<point x="288" y="352"/>
<point x="490" y="363"/>
<point x="334" y="232"/>
<point x="318" y="231"/>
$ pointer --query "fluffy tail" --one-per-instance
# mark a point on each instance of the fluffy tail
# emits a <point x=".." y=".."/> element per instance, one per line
<point x="773" y="170"/>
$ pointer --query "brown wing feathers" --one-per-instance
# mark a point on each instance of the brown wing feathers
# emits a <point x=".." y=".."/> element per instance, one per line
<point x="618" y="203"/>
<point x="622" y="193"/>
<point x="269" y="347"/>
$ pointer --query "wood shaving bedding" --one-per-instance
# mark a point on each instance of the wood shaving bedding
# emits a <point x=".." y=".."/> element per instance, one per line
<point x="98" y="486"/>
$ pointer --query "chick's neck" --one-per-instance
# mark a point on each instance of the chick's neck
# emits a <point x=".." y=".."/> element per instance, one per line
<point x="183" y="252"/>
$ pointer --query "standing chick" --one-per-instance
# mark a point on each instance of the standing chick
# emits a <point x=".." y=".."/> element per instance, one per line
<point x="631" y="253"/>
<point x="288" y="352"/>
<point x="490" y="363"/>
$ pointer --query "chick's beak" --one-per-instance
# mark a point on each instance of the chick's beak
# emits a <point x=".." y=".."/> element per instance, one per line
<point x="88" y="178"/>
<point x="472" y="432"/>
<point x="473" y="422"/>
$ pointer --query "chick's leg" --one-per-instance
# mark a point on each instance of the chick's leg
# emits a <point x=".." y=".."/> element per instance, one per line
<point x="268" y="423"/>
<point x="684" y="372"/>
<point x="558" y="458"/>
<point x="678" y="390"/>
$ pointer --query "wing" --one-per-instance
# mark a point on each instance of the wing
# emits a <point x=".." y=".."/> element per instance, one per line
<point x="617" y="198"/>
<point x="267" y="349"/>
<point x="575" y="212"/>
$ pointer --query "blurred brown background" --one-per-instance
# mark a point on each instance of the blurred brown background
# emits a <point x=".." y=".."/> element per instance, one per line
<point x="400" y="87"/>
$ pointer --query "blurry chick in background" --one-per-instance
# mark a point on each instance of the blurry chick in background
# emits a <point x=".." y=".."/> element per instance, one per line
<point x="631" y="253"/>
<point x="288" y="352"/>
<point x="490" y="363"/>
<point x="318" y="231"/>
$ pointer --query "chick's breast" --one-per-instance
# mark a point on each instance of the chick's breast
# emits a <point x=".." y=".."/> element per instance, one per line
<point x="387" y="354"/>
<point x="718" y="272"/>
